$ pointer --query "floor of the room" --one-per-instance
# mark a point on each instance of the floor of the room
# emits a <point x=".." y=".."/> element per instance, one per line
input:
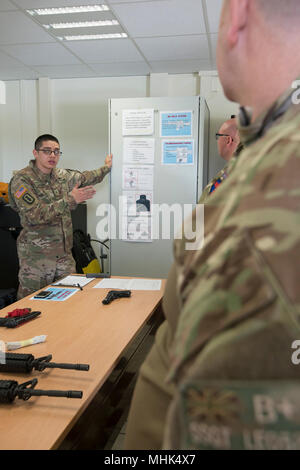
<point x="119" y="442"/>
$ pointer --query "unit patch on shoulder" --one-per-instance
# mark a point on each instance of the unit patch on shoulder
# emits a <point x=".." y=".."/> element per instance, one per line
<point x="28" y="198"/>
<point x="22" y="190"/>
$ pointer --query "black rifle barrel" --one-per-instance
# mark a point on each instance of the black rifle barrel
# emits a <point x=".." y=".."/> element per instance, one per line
<point x="10" y="389"/>
<point x="54" y="365"/>
<point x="50" y="393"/>
<point x="25" y="363"/>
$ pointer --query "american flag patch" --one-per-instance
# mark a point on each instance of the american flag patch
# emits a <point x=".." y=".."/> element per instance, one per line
<point x="22" y="190"/>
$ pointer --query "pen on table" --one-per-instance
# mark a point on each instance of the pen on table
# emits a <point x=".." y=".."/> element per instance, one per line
<point x="68" y="285"/>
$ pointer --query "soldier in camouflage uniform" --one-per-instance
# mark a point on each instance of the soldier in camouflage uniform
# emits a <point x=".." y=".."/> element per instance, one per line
<point x="220" y="374"/>
<point x="44" y="195"/>
<point x="229" y="146"/>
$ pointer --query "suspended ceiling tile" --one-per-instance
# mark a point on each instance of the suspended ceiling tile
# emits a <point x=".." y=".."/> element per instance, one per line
<point x="214" y="8"/>
<point x="56" y="3"/>
<point x="105" y="50"/>
<point x="121" y="69"/>
<point x="6" y="5"/>
<point x="42" y="54"/>
<point x="16" y="28"/>
<point x="214" y="42"/>
<point x="174" y="48"/>
<point x="131" y="1"/>
<point x="7" y="61"/>
<point x="65" y="71"/>
<point x="18" y="73"/>
<point x="164" y="18"/>
<point x="180" y="66"/>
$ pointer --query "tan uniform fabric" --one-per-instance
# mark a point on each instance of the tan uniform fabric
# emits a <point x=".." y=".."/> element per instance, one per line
<point x="238" y="297"/>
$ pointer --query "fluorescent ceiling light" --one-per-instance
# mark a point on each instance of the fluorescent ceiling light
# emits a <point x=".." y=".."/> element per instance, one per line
<point x="95" y="36"/>
<point x="67" y="10"/>
<point x="82" y="24"/>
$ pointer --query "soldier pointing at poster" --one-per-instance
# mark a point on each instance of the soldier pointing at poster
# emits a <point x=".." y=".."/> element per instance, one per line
<point x="44" y="196"/>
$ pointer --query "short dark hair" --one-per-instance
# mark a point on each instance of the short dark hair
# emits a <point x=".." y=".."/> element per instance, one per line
<point x="39" y="141"/>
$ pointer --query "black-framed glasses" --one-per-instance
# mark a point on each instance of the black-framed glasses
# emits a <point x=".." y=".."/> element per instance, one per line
<point x="222" y="135"/>
<point x="56" y="152"/>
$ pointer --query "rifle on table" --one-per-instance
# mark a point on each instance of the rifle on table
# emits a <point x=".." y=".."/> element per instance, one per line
<point x="10" y="389"/>
<point x="19" y="363"/>
<point x="18" y="317"/>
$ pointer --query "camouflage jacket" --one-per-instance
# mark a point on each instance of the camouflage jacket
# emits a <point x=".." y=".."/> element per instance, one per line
<point x="44" y="202"/>
<point x="240" y="300"/>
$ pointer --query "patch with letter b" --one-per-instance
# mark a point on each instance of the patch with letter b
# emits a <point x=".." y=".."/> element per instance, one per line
<point x="28" y="198"/>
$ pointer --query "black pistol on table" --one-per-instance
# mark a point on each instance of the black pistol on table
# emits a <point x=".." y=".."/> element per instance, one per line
<point x="115" y="294"/>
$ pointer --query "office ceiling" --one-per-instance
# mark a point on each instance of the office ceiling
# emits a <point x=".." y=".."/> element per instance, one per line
<point x="163" y="36"/>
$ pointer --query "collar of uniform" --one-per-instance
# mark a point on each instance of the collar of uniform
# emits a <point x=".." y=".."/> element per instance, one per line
<point x="250" y="132"/>
<point x="42" y="176"/>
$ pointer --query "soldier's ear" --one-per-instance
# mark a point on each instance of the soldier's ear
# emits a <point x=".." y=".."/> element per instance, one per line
<point x="34" y="153"/>
<point x="238" y="10"/>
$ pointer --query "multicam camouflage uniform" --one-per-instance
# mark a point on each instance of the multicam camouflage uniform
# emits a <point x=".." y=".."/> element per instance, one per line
<point x="220" y="372"/>
<point x="44" y="202"/>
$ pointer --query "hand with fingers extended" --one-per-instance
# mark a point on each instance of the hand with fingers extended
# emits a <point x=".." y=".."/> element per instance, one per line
<point x="83" y="194"/>
<point x="108" y="160"/>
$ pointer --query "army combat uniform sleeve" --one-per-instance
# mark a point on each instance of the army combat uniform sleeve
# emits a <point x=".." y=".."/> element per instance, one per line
<point x="33" y="209"/>
<point x="86" y="178"/>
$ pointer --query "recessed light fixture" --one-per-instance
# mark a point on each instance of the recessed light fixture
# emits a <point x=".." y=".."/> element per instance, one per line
<point x="95" y="36"/>
<point x="82" y="24"/>
<point x="68" y="10"/>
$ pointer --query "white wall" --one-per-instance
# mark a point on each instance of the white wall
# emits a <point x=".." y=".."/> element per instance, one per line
<point x="18" y="125"/>
<point x="80" y="120"/>
<point x="220" y="110"/>
<point x="76" y="111"/>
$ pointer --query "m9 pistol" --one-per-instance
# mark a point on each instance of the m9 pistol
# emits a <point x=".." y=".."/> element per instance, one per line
<point x="115" y="294"/>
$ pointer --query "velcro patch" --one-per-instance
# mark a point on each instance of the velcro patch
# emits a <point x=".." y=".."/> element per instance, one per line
<point x="28" y="198"/>
<point x="22" y="190"/>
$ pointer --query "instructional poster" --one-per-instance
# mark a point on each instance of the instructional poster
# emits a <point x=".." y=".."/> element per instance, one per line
<point x="176" y="124"/>
<point x="137" y="216"/>
<point x="136" y="229"/>
<point x="138" y="122"/>
<point x="177" y="152"/>
<point x="138" y="177"/>
<point x="138" y="150"/>
<point x="137" y="202"/>
<point x="58" y="294"/>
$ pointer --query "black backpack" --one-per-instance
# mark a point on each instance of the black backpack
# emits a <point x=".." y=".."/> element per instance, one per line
<point x="7" y="297"/>
<point x="83" y="253"/>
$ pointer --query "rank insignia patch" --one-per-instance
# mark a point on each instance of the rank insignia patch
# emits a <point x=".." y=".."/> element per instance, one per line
<point x="22" y="190"/>
<point x="28" y="198"/>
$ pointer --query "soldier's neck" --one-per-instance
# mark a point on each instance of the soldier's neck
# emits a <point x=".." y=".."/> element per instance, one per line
<point x="264" y="97"/>
<point x="45" y="171"/>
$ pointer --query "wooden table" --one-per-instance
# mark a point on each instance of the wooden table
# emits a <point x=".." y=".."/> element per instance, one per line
<point x="79" y="330"/>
